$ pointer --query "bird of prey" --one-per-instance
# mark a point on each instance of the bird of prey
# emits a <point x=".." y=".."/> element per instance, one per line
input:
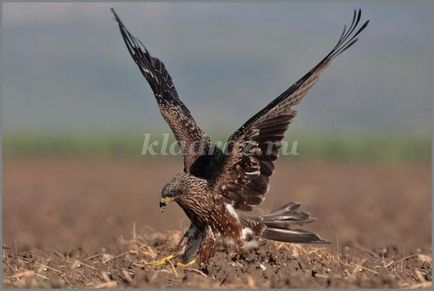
<point x="218" y="183"/>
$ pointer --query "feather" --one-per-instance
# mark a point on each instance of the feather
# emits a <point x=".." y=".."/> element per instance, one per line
<point x="267" y="129"/>
<point x="292" y="235"/>
<point x="176" y="114"/>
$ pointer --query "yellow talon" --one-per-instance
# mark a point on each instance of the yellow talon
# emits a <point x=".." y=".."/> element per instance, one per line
<point x="181" y="265"/>
<point x="168" y="258"/>
<point x="160" y="262"/>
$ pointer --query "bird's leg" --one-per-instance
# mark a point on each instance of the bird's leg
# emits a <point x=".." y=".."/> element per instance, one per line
<point x="201" y="253"/>
<point x="160" y="261"/>
<point x="180" y="250"/>
<point x="208" y="247"/>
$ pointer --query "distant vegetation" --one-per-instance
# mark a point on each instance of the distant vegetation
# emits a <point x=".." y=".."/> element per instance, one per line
<point x="369" y="147"/>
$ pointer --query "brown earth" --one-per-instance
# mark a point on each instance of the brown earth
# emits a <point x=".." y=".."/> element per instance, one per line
<point x="67" y="222"/>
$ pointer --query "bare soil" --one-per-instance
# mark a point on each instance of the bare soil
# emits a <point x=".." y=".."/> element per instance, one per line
<point x="94" y="222"/>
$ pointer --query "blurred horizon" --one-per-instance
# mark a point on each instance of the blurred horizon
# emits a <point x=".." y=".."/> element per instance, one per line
<point x="300" y="146"/>
<point x="66" y="70"/>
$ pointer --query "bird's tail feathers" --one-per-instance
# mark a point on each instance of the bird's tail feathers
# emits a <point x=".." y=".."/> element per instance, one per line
<point x="279" y="225"/>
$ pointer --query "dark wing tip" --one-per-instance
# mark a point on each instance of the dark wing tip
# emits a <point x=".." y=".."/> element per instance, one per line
<point x="115" y="14"/>
<point x="121" y="25"/>
<point x="348" y="37"/>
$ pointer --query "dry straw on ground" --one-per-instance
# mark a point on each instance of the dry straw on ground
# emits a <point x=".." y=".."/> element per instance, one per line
<point x="275" y="266"/>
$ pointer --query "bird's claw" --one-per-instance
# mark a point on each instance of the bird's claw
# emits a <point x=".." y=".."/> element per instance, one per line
<point x="160" y="262"/>
<point x="181" y="265"/>
<point x="164" y="260"/>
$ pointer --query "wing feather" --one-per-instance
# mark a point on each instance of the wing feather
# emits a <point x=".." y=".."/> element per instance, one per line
<point x="243" y="175"/>
<point x="192" y="140"/>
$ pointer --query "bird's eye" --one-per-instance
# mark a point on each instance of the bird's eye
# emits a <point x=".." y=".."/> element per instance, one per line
<point x="169" y="194"/>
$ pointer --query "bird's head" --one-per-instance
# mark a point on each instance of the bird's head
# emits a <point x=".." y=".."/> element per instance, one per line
<point x="173" y="189"/>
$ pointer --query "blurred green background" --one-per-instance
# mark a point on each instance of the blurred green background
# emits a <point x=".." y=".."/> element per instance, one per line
<point x="309" y="146"/>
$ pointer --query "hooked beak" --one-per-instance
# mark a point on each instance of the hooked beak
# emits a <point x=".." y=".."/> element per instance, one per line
<point x="164" y="201"/>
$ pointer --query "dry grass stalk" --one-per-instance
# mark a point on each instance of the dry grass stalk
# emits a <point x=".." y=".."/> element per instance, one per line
<point x="196" y="271"/>
<point x="25" y="274"/>
<point x="424" y="285"/>
<point x="110" y="284"/>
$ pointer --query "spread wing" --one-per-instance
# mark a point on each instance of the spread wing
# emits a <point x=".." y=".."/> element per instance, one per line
<point x="191" y="139"/>
<point x="243" y="175"/>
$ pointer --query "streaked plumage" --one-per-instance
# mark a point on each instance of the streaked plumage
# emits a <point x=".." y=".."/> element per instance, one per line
<point x="214" y="183"/>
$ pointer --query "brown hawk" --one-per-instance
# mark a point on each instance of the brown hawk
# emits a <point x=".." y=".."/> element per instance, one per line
<point x="216" y="183"/>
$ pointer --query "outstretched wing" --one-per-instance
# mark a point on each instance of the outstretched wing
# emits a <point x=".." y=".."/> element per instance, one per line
<point x="243" y="175"/>
<point x="191" y="139"/>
